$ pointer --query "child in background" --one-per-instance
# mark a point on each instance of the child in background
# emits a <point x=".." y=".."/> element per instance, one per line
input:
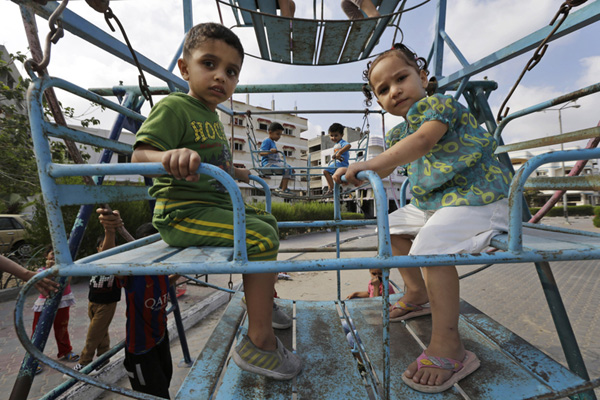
<point x="61" y="320"/>
<point x="459" y="202"/>
<point x="103" y="296"/>
<point x="340" y="155"/>
<point x="45" y="286"/>
<point x="270" y="157"/>
<point x="375" y="287"/>
<point x="353" y="8"/>
<point x="147" y="349"/>
<point x="288" y="8"/>
<point x="193" y="210"/>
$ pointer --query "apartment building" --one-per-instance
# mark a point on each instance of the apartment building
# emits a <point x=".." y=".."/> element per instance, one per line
<point x="293" y="147"/>
<point x="574" y="197"/>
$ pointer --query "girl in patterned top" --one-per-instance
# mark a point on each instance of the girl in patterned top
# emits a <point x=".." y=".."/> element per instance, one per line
<point x="459" y="202"/>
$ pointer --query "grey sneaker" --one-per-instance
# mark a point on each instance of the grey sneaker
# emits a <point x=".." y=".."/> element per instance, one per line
<point x="279" y="319"/>
<point x="280" y="364"/>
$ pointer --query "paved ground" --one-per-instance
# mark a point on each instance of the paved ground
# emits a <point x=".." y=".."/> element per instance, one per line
<point x="509" y="293"/>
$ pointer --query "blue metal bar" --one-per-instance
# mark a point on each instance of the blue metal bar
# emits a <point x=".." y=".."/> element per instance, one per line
<point x="576" y="20"/>
<point x="586" y="91"/>
<point x="266" y="189"/>
<point x="188" y="18"/>
<point x="173" y="64"/>
<point x="461" y="88"/>
<point x="84" y="267"/>
<point x="385" y="312"/>
<point x="210" y="285"/>
<point x="563" y="326"/>
<point x="98" y="37"/>
<point x="438" y="41"/>
<point x="461" y="58"/>
<point x="326" y="224"/>
<point x="64" y="132"/>
<point x="515" y="231"/>
<point x="63" y="387"/>
<point x="282" y="88"/>
<point x="337" y="216"/>
<point x="559" y="229"/>
<point x="179" y="325"/>
<point x="48" y="82"/>
<point x="403" y="190"/>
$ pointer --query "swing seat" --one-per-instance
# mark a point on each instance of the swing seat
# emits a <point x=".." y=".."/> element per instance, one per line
<point x="311" y="41"/>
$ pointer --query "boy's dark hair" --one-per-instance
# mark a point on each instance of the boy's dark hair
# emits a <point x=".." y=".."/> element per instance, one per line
<point x="99" y="241"/>
<point x="411" y="58"/>
<point x="207" y="31"/>
<point x="275" y="126"/>
<point x="144" y="230"/>
<point x="337" y="127"/>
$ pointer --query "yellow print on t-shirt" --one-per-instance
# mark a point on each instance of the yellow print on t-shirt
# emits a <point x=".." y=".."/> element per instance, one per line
<point x="204" y="131"/>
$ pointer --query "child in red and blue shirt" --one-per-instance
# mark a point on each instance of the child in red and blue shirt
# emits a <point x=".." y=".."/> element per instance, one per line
<point x="147" y="350"/>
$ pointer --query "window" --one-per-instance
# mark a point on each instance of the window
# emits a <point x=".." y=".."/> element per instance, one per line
<point x="288" y="153"/>
<point x="238" y="146"/>
<point x="123" y="158"/>
<point x="263" y="124"/>
<point x="288" y="129"/>
<point x="6" y="224"/>
<point x="239" y="121"/>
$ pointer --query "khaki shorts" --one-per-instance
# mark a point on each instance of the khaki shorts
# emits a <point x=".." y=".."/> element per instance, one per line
<point x="450" y="230"/>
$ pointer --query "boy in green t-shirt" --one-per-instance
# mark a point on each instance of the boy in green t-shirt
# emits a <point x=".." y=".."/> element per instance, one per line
<point x="183" y="130"/>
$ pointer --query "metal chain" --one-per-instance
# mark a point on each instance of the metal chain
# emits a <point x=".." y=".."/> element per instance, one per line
<point x="366" y="122"/>
<point x="540" y="51"/>
<point x="56" y="32"/>
<point x="230" y="283"/>
<point x="144" y="88"/>
<point x="99" y="5"/>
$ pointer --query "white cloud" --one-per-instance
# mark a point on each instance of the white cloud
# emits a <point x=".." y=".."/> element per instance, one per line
<point x="313" y="130"/>
<point x="591" y="71"/>
<point x="479" y="28"/>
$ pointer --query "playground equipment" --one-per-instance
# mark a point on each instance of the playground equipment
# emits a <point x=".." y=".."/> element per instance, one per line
<point x="511" y="368"/>
<point x="307" y="172"/>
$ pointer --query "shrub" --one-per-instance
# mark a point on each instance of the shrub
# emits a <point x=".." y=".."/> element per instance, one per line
<point x="133" y="213"/>
<point x="305" y="211"/>
<point x="572" y="210"/>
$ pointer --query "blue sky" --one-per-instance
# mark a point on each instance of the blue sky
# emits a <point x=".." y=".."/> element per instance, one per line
<point x="478" y="27"/>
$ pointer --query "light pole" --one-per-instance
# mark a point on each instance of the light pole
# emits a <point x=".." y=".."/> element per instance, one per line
<point x="564" y="171"/>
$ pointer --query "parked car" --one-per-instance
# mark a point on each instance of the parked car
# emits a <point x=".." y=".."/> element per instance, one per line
<point x="12" y="235"/>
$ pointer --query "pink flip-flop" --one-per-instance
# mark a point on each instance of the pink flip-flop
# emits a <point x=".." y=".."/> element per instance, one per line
<point x="460" y="370"/>
<point x="414" y="310"/>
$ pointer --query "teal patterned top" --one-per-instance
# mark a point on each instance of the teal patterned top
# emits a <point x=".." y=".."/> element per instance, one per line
<point x="461" y="169"/>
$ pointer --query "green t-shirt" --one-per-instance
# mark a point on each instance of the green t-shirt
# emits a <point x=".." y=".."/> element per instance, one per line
<point x="461" y="169"/>
<point x="182" y="121"/>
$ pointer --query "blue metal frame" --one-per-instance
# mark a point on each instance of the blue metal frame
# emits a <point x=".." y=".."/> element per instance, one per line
<point x="476" y="96"/>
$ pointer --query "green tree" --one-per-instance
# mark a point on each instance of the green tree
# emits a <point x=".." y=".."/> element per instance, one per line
<point x="18" y="174"/>
<point x="18" y="171"/>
